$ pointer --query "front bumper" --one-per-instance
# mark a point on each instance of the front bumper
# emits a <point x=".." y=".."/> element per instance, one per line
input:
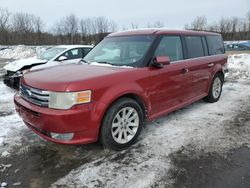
<point x="12" y="81"/>
<point x="80" y="120"/>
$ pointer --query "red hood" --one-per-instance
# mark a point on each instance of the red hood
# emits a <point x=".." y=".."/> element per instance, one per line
<point x="58" y="78"/>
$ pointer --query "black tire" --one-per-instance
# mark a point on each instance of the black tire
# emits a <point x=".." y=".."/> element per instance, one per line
<point x="106" y="130"/>
<point x="211" y="98"/>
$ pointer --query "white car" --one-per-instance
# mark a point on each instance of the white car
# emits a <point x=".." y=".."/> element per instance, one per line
<point x="57" y="55"/>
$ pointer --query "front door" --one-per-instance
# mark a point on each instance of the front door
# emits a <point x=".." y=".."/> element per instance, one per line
<point x="171" y="83"/>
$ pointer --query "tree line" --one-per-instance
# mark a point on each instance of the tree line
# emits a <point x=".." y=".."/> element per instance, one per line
<point x="233" y="28"/>
<point x="29" y="29"/>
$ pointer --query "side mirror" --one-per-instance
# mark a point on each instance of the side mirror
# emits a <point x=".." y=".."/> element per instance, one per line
<point x="160" y="61"/>
<point x="62" y="58"/>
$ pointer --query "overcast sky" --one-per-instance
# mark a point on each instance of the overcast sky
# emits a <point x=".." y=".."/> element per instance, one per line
<point x="172" y="13"/>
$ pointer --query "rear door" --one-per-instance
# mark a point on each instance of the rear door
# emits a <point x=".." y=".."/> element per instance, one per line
<point x="199" y="65"/>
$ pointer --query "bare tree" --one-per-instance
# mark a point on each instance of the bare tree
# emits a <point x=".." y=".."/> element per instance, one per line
<point x="248" y="24"/>
<point x="71" y="27"/>
<point x="4" y="25"/>
<point x="102" y="24"/>
<point x="4" y="19"/>
<point x="248" y="20"/>
<point x="222" y="25"/>
<point x="38" y="24"/>
<point x="23" y="23"/>
<point x="38" y="28"/>
<point x="67" y="26"/>
<point x="86" y="29"/>
<point x="112" y="26"/>
<point x="213" y="27"/>
<point x="199" y="23"/>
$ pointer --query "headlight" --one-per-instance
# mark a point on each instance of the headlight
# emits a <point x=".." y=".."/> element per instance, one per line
<point x="65" y="100"/>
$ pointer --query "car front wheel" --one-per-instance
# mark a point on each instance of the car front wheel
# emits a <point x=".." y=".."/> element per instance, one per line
<point x="122" y="124"/>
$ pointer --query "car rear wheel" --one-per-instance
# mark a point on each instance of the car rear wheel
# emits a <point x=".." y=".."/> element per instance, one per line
<point x="215" y="89"/>
<point x="122" y="124"/>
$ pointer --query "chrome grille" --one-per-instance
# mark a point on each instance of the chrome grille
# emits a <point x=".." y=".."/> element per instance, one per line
<point x="35" y="96"/>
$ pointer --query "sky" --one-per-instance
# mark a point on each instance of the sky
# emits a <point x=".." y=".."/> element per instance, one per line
<point x="173" y="14"/>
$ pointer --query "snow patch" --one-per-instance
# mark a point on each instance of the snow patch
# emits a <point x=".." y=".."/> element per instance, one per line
<point x="21" y="51"/>
<point x="238" y="67"/>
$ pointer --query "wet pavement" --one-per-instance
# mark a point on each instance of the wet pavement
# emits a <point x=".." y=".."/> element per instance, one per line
<point x="42" y="165"/>
<point x="211" y="170"/>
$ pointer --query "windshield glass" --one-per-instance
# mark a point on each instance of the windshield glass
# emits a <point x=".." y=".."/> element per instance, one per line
<point x="121" y="51"/>
<point x="50" y="53"/>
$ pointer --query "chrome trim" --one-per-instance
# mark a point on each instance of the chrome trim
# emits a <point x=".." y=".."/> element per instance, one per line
<point x="190" y="59"/>
<point x="35" y="96"/>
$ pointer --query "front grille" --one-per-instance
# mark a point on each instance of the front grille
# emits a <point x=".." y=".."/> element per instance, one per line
<point x="35" y="96"/>
<point x="10" y="73"/>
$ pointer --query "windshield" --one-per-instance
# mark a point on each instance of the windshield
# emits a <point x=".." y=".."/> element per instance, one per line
<point x="50" y="53"/>
<point x="120" y="51"/>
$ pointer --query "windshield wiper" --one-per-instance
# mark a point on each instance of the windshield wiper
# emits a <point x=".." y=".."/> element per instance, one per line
<point x="84" y="61"/>
<point x="105" y="62"/>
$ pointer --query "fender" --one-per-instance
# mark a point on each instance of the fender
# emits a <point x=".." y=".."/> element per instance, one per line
<point x="217" y="68"/>
<point x="116" y="91"/>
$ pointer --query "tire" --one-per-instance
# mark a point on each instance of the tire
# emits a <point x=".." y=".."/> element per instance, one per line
<point x="122" y="124"/>
<point x="215" y="89"/>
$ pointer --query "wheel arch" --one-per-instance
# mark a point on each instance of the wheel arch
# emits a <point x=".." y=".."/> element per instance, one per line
<point x="132" y="95"/>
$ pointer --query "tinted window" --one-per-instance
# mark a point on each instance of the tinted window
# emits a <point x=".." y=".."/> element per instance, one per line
<point x="215" y="45"/>
<point x="170" y="46"/>
<point x="85" y="51"/>
<point x="194" y="47"/>
<point x="205" y="45"/>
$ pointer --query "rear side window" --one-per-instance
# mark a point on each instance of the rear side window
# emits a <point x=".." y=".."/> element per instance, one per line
<point x="170" y="46"/>
<point x="194" y="47"/>
<point x="215" y="45"/>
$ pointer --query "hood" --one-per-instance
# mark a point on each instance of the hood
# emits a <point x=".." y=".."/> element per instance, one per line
<point x="17" y="65"/>
<point x="48" y="64"/>
<point x="57" y="78"/>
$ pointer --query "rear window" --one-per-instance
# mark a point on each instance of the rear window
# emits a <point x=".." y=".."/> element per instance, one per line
<point x="194" y="47"/>
<point x="215" y="45"/>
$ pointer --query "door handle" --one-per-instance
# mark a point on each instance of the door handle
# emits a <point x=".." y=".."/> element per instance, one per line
<point x="210" y="64"/>
<point x="184" y="71"/>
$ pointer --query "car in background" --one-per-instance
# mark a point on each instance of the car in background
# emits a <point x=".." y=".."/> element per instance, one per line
<point x="129" y="78"/>
<point x="63" y="54"/>
<point x="238" y="47"/>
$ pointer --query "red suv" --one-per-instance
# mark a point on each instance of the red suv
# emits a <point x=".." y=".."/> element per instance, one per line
<point x="128" y="78"/>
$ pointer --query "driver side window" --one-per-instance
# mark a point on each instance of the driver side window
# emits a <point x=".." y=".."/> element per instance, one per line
<point x="170" y="46"/>
<point x="73" y="54"/>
